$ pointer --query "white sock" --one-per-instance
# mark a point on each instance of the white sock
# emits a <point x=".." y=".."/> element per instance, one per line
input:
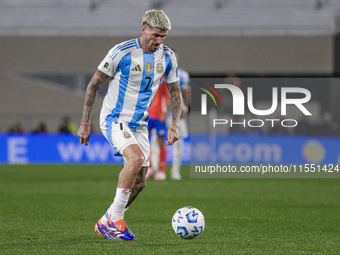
<point x="154" y="149"/>
<point x="117" y="208"/>
<point x="103" y="220"/>
<point x="176" y="158"/>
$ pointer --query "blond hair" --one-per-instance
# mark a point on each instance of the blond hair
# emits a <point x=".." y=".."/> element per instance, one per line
<point x="156" y="19"/>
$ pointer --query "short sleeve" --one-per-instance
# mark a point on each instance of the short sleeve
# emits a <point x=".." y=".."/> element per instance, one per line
<point x="110" y="62"/>
<point x="171" y="72"/>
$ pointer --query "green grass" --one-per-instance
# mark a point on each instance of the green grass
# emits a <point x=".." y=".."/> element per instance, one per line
<point x="52" y="209"/>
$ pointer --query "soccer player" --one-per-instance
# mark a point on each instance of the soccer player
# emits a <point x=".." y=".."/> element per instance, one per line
<point x="135" y="69"/>
<point x="158" y="113"/>
<point x="184" y="82"/>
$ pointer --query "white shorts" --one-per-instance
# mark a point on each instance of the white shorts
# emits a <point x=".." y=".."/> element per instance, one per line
<point x="121" y="136"/>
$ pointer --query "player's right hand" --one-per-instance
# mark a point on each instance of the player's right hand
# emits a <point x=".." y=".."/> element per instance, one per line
<point x="84" y="134"/>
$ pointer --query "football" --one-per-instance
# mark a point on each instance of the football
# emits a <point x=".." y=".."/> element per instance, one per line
<point x="188" y="222"/>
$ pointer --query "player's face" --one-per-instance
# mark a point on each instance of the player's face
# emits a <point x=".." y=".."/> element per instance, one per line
<point x="152" y="38"/>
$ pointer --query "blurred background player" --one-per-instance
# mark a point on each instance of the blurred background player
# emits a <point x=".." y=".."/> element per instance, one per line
<point x="158" y="113"/>
<point x="67" y="126"/>
<point x="184" y="82"/>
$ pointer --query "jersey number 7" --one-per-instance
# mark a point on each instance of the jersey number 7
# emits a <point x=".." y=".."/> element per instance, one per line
<point x="149" y="81"/>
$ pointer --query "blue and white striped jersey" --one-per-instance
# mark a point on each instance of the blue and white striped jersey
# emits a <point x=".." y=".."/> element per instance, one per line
<point x="135" y="78"/>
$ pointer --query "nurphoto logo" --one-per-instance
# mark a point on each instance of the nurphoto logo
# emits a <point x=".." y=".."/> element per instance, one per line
<point x="238" y="106"/>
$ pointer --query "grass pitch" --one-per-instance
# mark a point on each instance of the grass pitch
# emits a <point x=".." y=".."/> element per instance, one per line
<point x="52" y="209"/>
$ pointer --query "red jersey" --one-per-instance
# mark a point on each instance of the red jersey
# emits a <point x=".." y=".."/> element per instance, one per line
<point x="160" y="102"/>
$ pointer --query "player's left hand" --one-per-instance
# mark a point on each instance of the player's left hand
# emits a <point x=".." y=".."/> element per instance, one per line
<point x="172" y="134"/>
<point x="84" y="134"/>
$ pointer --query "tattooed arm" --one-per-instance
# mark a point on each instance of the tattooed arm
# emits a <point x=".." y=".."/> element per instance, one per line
<point x="90" y="96"/>
<point x="175" y="107"/>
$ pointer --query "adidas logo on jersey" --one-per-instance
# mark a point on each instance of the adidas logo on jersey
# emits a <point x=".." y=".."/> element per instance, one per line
<point x="136" y="68"/>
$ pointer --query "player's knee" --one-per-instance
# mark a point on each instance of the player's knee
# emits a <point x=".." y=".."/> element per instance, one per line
<point x="137" y="162"/>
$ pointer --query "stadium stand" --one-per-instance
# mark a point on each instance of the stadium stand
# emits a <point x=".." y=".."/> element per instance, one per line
<point x="258" y="37"/>
<point x="190" y="17"/>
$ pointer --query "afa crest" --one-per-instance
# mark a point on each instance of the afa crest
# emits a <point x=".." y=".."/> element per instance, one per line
<point x="159" y="68"/>
<point x="126" y="134"/>
<point x="148" y="67"/>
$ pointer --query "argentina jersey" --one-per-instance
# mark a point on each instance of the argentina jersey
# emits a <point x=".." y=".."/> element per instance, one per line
<point x="135" y="76"/>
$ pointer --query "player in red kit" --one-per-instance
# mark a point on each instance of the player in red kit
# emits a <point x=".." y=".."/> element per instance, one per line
<point x="158" y="113"/>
